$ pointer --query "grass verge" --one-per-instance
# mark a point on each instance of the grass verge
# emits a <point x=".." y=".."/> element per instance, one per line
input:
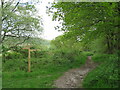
<point x="104" y="76"/>
<point x="44" y="73"/>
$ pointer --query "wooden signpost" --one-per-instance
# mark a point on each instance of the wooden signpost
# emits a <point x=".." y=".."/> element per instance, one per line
<point x="29" y="50"/>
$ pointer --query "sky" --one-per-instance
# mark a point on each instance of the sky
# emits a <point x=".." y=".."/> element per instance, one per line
<point x="49" y="31"/>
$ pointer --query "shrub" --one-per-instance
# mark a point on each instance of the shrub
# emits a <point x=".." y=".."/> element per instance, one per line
<point x="12" y="55"/>
<point x="105" y="75"/>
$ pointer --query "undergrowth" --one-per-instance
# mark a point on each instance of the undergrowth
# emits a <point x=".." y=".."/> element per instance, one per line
<point x="104" y="76"/>
<point x="44" y="71"/>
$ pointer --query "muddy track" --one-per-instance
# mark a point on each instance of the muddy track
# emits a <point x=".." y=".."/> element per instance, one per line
<point x="74" y="77"/>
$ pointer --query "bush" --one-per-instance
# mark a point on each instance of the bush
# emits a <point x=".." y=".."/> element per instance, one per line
<point x="12" y="55"/>
<point x="88" y="53"/>
<point x="105" y="75"/>
<point x="102" y="57"/>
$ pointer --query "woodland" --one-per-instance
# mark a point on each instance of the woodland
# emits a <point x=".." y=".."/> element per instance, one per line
<point x="90" y="29"/>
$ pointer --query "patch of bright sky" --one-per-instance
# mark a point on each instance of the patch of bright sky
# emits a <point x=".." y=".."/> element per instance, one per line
<point x="49" y="31"/>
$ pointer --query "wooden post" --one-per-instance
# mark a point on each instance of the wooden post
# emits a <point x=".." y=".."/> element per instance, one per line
<point x="29" y="60"/>
<point x="29" y="63"/>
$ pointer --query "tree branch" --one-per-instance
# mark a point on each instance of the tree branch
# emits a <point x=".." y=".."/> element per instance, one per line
<point x="11" y="11"/>
<point x="20" y="42"/>
<point x="15" y="6"/>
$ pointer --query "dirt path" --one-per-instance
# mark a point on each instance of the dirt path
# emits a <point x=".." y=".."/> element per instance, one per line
<point x="74" y="77"/>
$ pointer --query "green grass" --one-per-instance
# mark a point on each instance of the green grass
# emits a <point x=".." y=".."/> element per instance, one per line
<point x="44" y="72"/>
<point x="105" y="75"/>
<point x="29" y="80"/>
<point x="47" y="69"/>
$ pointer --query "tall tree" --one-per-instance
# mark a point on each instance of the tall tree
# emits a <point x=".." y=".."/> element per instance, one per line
<point x="89" y="21"/>
<point x="19" y="20"/>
